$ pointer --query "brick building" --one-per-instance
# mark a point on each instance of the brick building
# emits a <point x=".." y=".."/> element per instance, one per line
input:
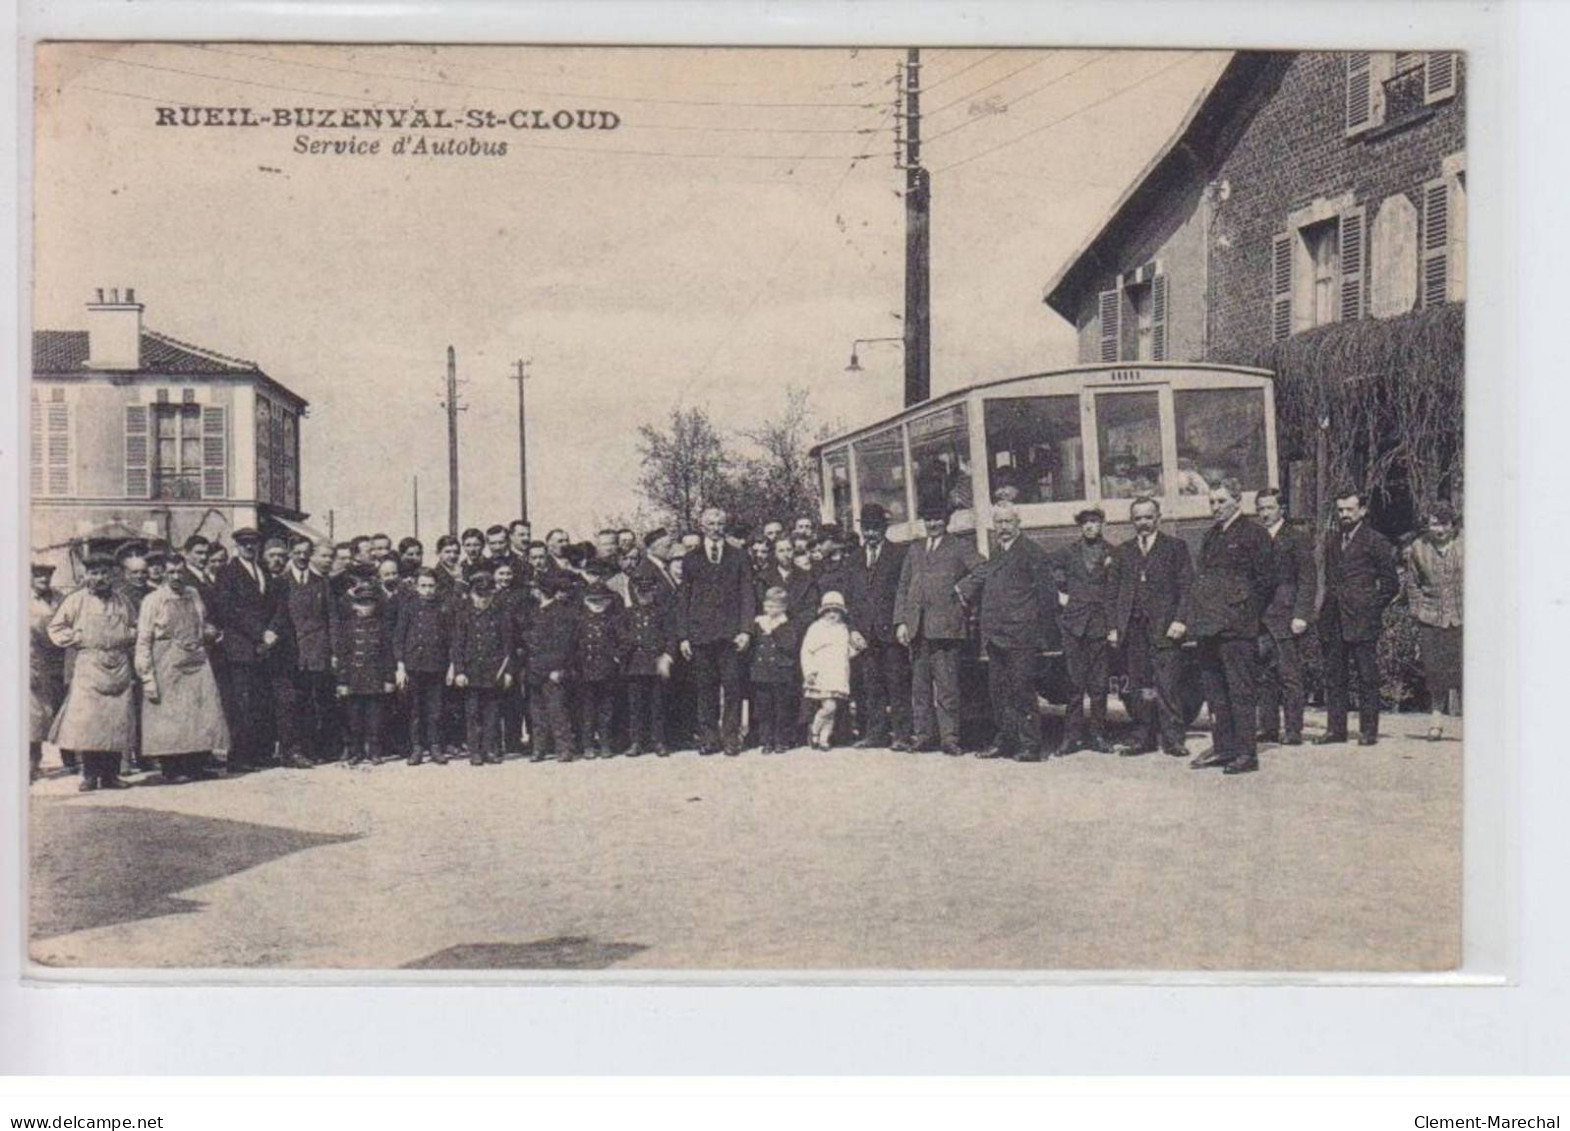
<point x="1308" y="216"/>
<point x="138" y="436"/>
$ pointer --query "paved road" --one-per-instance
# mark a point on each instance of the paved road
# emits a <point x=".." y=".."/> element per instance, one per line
<point x="1331" y="858"/>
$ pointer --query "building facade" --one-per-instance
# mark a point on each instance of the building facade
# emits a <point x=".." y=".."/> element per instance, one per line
<point x="135" y="435"/>
<point x="1309" y="216"/>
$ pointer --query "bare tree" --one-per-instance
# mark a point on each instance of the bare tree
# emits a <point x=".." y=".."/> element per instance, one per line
<point x="684" y="466"/>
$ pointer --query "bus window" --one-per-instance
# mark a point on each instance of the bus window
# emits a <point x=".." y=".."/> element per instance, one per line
<point x="1035" y="450"/>
<point x="880" y="473"/>
<point x="1128" y="432"/>
<point x="836" y="466"/>
<point x="940" y="455"/>
<point x="1220" y="433"/>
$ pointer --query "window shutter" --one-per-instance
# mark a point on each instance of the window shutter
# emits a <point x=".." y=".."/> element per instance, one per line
<point x="1111" y="309"/>
<point x="1435" y="280"/>
<point x="138" y="482"/>
<point x="1158" y="318"/>
<point x="1353" y="259"/>
<point x="59" y="449"/>
<point x="1439" y="76"/>
<point x="215" y="452"/>
<point x="1281" y="287"/>
<point x="1359" y="91"/>
<point x="36" y="483"/>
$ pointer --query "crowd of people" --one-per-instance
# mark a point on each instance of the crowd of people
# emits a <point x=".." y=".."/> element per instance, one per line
<point x="194" y="661"/>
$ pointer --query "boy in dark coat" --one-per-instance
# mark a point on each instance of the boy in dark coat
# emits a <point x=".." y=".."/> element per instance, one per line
<point x="651" y="650"/>
<point x="363" y="660"/>
<point x="774" y="655"/>
<point x="550" y="647"/>
<point x="601" y="647"/>
<point x="422" y="649"/>
<point x="482" y="662"/>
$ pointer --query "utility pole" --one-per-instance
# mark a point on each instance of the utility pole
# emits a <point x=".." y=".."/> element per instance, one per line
<point x="417" y="506"/>
<point x="453" y="409"/>
<point x="918" y="305"/>
<point x="521" y="376"/>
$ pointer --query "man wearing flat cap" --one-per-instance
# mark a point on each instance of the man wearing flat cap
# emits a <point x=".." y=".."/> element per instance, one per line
<point x="96" y="721"/>
<point x="243" y="610"/>
<point x="1082" y="571"/>
<point x="930" y="620"/>
<point x="882" y="671"/>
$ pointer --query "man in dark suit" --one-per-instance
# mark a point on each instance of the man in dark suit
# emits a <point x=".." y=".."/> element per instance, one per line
<point x="245" y="612"/>
<point x="882" y="671"/>
<point x="1361" y="578"/>
<point x="1016" y="591"/>
<point x="1082" y="572"/>
<point x="930" y="620"/>
<point x="1284" y="622"/>
<point x="1151" y="576"/>
<point x="713" y="614"/>
<point x="307" y="599"/>
<point x="1234" y="583"/>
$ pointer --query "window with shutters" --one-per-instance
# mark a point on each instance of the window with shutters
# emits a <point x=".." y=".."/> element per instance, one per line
<point x="264" y="437"/>
<point x="177" y="451"/>
<point x="1352" y="241"/>
<point x="1110" y="312"/>
<point x="1440" y="77"/>
<point x="50" y="435"/>
<point x="1360" y="91"/>
<point x="1281" y="256"/>
<point x="1442" y="217"/>
<point x="1323" y="243"/>
<point x="215" y="452"/>
<point x="138" y="477"/>
<point x="291" y="462"/>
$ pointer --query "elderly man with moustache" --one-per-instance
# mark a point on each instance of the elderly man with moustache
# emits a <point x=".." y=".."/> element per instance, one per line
<point x="930" y="620"/>
<point x="1151" y="575"/>
<point x="1016" y="591"/>
<point x="1234" y="583"/>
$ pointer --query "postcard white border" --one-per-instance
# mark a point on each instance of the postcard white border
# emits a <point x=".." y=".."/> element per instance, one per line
<point x="1007" y="1022"/>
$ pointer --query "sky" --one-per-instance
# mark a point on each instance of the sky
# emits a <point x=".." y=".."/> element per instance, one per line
<point x="726" y="241"/>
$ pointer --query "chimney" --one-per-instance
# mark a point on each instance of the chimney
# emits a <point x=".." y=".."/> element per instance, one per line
<point x="114" y="330"/>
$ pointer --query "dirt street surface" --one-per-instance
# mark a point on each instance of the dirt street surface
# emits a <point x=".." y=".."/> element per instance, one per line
<point x="1334" y="858"/>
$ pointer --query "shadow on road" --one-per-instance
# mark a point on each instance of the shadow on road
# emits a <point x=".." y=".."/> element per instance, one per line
<point x="94" y="866"/>
<point x="572" y="952"/>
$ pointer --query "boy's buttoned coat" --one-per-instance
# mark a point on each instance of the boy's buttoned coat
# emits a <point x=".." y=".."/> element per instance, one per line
<point x="482" y="643"/>
<point x="362" y="651"/>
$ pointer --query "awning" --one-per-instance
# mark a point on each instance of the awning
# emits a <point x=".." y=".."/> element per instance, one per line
<point x="304" y="529"/>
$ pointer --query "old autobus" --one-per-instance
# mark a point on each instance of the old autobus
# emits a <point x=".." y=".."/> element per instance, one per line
<point x="1056" y="442"/>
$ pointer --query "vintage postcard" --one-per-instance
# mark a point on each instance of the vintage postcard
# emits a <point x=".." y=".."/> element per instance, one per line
<point x="540" y="509"/>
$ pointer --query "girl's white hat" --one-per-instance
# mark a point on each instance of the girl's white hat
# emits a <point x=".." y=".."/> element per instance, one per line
<point x="831" y="600"/>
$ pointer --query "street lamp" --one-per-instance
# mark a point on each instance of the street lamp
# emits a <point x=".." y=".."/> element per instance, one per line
<point x="855" y="360"/>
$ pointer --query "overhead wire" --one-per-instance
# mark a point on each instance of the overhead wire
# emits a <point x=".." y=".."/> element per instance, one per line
<point x="1151" y="77"/>
<point x="1009" y="105"/>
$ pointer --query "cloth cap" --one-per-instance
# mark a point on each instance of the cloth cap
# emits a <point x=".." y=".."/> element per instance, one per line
<point x="246" y="534"/>
<point x="1090" y="513"/>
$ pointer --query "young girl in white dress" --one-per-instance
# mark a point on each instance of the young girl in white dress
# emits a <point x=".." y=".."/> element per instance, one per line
<point x="826" y="652"/>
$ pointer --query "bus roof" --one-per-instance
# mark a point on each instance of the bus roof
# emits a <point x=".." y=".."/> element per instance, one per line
<point x="1071" y="370"/>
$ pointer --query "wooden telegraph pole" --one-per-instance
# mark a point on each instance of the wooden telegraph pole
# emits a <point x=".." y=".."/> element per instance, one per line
<point x="918" y="305"/>
<point x="453" y="408"/>
<point x="521" y="375"/>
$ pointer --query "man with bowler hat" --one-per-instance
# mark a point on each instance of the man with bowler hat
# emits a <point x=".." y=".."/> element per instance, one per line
<point x="930" y="620"/>
<point x="882" y="670"/>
